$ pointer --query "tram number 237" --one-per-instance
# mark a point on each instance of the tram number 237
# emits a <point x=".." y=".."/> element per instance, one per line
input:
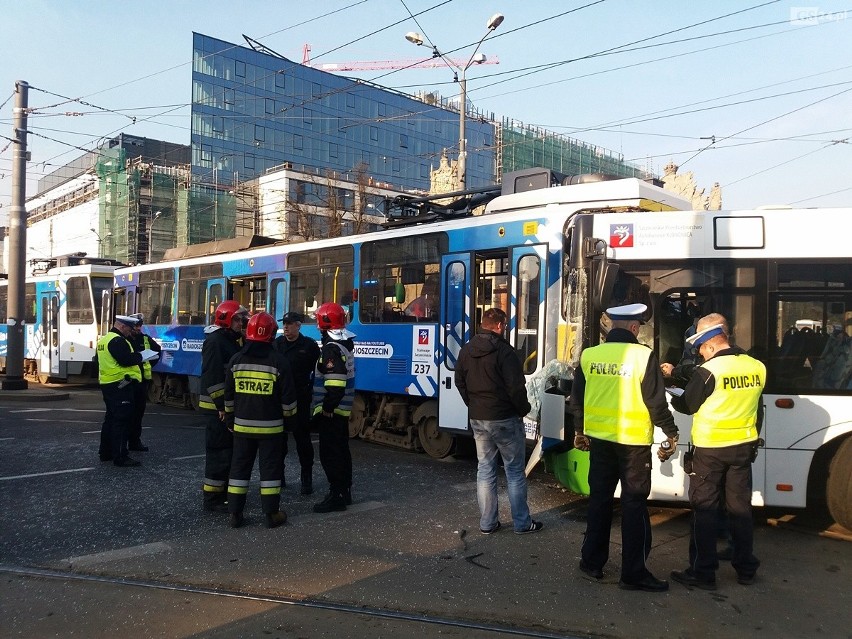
<point x="420" y="368"/>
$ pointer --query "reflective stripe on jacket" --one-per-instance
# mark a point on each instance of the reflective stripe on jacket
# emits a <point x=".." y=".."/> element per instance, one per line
<point x="335" y="371"/>
<point x="614" y="409"/>
<point x="259" y="392"/>
<point x="109" y="370"/>
<point x="729" y="415"/>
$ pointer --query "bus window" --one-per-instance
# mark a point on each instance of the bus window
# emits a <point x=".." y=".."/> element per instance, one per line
<point x="30" y="303"/>
<point x="250" y="292"/>
<point x="400" y="279"/>
<point x="78" y="300"/>
<point x="155" y="296"/>
<point x="321" y="276"/>
<point x="99" y="285"/>
<point x="812" y="347"/>
<point x="526" y="321"/>
<point x="192" y="292"/>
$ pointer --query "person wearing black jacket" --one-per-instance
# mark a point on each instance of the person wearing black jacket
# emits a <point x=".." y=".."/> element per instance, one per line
<point x="617" y="398"/>
<point x="303" y="354"/>
<point x="490" y="378"/>
<point x="140" y="343"/>
<point x="221" y="343"/>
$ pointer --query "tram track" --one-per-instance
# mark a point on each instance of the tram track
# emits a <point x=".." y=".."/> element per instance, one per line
<point x="329" y="606"/>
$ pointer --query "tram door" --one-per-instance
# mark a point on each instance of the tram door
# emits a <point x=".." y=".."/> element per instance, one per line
<point x="215" y="295"/>
<point x="278" y="288"/>
<point x="49" y="359"/>
<point x="453" y="332"/>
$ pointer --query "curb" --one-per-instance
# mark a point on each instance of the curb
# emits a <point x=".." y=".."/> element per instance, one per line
<point x="32" y="395"/>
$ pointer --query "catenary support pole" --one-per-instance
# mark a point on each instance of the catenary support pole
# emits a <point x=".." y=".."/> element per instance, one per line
<point x="14" y="379"/>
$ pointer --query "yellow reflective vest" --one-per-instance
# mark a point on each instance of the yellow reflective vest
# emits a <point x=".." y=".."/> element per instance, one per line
<point x="109" y="370"/>
<point x="146" y="366"/>
<point x="729" y="415"/>
<point x="613" y="407"/>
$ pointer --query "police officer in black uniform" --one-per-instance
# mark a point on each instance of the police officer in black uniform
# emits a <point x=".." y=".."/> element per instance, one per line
<point x="617" y="398"/>
<point x="302" y="353"/>
<point x="259" y="397"/>
<point x="119" y="375"/>
<point x="221" y="343"/>
<point x="141" y="342"/>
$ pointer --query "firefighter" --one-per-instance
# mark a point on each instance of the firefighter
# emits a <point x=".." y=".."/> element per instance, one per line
<point x="302" y="353"/>
<point x="259" y="397"/>
<point x="141" y="342"/>
<point x="118" y="374"/>
<point x="334" y="391"/>
<point x="221" y="343"/>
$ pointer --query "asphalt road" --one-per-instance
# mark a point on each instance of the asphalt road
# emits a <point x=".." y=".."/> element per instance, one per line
<point x="88" y="549"/>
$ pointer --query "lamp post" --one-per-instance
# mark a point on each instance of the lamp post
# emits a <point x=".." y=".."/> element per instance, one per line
<point x="153" y="219"/>
<point x="101" y="240"/>
<point x="475" y="58"/>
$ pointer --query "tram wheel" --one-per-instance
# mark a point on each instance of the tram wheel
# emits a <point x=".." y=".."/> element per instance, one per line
<point x="155" y="388"/>
<point x="358" y="416"/>
<point x="436" y="443"/>
<point x="839" y="485"/>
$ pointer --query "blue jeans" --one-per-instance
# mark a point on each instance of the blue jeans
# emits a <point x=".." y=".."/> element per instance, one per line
<point x="507" y="437"/>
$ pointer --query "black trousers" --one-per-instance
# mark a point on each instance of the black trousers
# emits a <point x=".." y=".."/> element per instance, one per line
<point x="219" y="443"/>
<point x="134" y="433"/>
<point x="721" y="479"/>
<point x="334" y="452"/>
<point x="611" y="463"/>
<point x="269" y="451"/>
<point x="300" y="426"/>
<point x="118" y="417"/>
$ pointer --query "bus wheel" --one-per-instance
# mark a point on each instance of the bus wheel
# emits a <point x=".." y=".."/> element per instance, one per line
<point x="436" y="443"/>
<point x="358" y="416"/>
<point x="839" y="485"/>
<point x="155" y="388"/>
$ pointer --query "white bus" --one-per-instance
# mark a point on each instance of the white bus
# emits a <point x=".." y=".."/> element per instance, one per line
<point x="765" y="271"/>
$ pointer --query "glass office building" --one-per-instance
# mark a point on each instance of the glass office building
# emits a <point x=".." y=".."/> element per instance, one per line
<point x="252" y="111"/>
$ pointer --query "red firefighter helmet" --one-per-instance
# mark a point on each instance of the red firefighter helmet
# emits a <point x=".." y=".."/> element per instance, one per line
<point x="261" y="328"/>
<point x="225" y="313"/>
<point x="330" y="316"/>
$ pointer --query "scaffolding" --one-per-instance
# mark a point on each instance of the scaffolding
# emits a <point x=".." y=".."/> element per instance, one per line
<point x="147" y="209"/>
<point x="521" y="146"/>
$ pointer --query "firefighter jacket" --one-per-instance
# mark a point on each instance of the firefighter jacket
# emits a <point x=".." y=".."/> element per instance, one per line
<point x="116" y="360"/>
<point x="302" y="354"/>
<point x="259" y="391"/>
<point x="334" y="378"/>
<point x="220" y="345"/>
<point x="618" y="393"/>
<point x="142" y="342"/>
<point x="490" y="378"/>
<point x="724" y="395"/>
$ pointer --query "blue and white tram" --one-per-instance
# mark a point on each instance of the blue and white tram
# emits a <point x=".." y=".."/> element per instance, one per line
<point x="64" y="314"/>
<point x="414" y="294"/>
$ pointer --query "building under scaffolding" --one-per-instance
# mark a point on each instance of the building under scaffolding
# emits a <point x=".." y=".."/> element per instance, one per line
<point x="521" y="146"/>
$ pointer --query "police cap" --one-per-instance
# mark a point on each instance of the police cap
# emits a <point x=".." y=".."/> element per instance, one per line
<point x="703" y="335"/>
<point x="628" y="313"/>
<point x="128" y="320"/>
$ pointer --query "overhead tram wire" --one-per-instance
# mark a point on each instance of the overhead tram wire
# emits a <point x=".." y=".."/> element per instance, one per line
<point x="816" y="197"/>
<point x="790" y="161"/>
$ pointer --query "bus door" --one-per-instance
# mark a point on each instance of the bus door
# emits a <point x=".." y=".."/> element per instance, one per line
<point x="216" y="294"/>
<point x="453" y="332"/>
<point x="278" y="288"/>
<point x="526" y="311"/>
<point x="49" y="353"/>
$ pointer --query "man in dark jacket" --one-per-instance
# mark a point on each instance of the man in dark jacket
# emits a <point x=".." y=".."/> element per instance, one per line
<point x="221" y="342"/>
<point x="141" y="342"/>
<point x="490" y="378"/>
<point x="302" y="353"/>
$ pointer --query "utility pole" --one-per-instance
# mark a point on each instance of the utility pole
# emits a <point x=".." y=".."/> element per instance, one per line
<point x="14" y="379"/>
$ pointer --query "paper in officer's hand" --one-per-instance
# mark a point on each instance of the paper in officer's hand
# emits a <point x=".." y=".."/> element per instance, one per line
<point x="148" y="354"/>
<point x="675" y="391"/>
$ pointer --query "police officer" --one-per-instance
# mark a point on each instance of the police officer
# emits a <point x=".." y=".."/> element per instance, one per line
<point x="302" y="354"/>
<point x="141" y="342"/>
<point x="259" y="397"/>
<point x="118" y="374"/>
<point x="617" y="397"/>
<point x="334" y="392"/>
<point x="724" y="397"/>
<point x="221" y="343"/>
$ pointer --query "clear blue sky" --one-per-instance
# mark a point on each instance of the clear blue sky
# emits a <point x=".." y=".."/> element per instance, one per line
<point x="133" y="59"/>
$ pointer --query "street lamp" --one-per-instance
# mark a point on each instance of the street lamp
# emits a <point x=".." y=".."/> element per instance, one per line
<point x="101" y="240"/>
<point x="153" y="219"/>
<point x="414" y="37"/>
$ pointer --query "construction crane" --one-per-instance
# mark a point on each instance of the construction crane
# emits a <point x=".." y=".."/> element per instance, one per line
<point x="377" y="65"/>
